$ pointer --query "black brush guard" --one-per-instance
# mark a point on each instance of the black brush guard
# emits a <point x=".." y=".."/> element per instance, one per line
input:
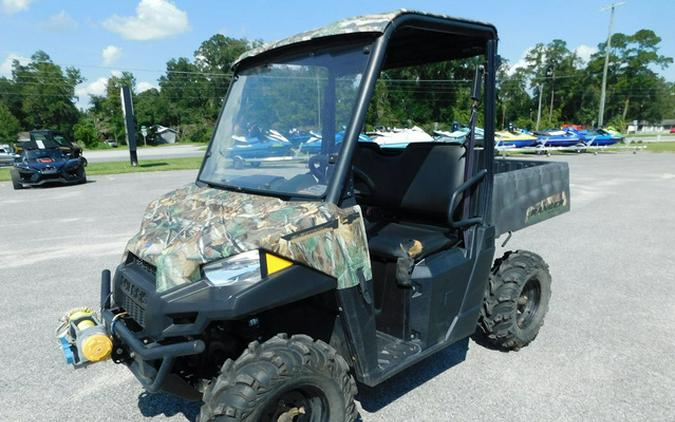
<point x="143" y="354"/>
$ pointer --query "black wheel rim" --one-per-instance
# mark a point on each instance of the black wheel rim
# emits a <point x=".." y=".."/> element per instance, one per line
<point x="528" y="303"/>
<point x="300" y="404"/>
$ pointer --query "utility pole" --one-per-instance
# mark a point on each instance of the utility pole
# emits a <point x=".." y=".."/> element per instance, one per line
<point x="608" y="47"/>
<point x="550" y="110"/>
<point x="541" y="87"/>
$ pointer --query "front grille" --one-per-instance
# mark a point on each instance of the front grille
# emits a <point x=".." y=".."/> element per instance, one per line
<point x="133" y="300"/>
<point x="134" y="287"/>
<point x="135" y="311"/>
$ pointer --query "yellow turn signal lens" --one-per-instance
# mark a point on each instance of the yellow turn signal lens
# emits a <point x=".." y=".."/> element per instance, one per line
<point x="275" y="264"/>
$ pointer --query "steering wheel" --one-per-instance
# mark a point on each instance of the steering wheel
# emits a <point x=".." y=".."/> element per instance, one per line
<point x="361" y="175"/>
<point x="318" y="165"/>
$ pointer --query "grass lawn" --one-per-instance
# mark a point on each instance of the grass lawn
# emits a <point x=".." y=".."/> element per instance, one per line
<point x="660" y="146"/>
<point x="101" y="146"/>
<point x="650" y="135"/>
<point x="117" y="167"/>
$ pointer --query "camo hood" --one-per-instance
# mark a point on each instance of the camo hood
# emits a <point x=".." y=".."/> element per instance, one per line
<point x="195" y="225"/>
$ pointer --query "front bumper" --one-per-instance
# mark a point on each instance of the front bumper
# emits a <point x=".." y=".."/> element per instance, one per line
<point x="157" y="328"/>
<point x="37" y="178"/>
<point x="142" y="357"/>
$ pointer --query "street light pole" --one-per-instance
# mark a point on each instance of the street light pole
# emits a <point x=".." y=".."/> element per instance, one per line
<point x="608" y="47"/>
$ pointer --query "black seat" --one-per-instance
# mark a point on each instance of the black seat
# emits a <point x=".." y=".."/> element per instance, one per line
<point x="411" y="195"/>
<point x="385" y="239"/>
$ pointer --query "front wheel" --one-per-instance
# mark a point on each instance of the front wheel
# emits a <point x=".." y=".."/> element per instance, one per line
<point x="16" y="179"/>
<point x="516" y="300"/>
<point x="83" y="177"/>
<point x="283" y="379"/>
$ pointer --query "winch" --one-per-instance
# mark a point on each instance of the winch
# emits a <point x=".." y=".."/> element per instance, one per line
<point x="83" y="339"/>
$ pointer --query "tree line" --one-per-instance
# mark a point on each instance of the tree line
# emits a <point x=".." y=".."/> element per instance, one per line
<point x="42" y="94"/>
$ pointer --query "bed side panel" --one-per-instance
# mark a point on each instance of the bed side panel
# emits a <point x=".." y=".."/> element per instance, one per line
<point x="528" y="192"/>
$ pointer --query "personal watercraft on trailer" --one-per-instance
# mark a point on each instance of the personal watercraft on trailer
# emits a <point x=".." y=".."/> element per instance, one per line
<point x="507" y="138"/>
<point x="400" y="137"/>
<point x="457" y="136"/>
<point x="313" y="144"/>
<point x="618" y="136"/>
<point x="557" y="138"/>
<point x="598" y="138"/>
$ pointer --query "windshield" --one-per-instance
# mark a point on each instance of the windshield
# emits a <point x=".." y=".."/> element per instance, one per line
<point x="282" y="127"/>
<point x="54" y="154"/>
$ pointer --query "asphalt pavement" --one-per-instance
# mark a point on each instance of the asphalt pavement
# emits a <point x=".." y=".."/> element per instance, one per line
<point x="606" y="352"/>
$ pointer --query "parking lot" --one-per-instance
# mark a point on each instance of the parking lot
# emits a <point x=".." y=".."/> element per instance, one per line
<point x="605" y="353"/>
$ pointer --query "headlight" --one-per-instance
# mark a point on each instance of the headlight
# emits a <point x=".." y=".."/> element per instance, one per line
<point x="242" y="268"/>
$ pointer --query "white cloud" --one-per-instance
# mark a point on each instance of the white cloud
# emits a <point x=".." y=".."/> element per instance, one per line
<point x="98" y="87"/>
<point x="10" y="7"/>
<point x="60" y="22"/>
<point x="6" y="66"/>
<point x="520" y="63"/>
<point x="584" y="52"/>
<point x="110" y="54"/>
<point x="154" y="19"/>
<point x="144" y="86"/>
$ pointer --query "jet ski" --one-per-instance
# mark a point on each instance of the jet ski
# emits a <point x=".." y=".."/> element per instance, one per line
<point x="558" y="138"/>
<point x="313" y="145"/>
<point x="400" y="138"/>
<point x="458" y="136"/>
<point x="597" y="138"/>
<point x="507" y="138"/>
<point x="618" y="136"/>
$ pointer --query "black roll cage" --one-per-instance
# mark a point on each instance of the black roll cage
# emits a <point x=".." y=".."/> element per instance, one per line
<point x="453" y="27"/>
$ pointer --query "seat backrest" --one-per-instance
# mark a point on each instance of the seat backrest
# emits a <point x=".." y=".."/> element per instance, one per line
<point x="415" y="182"/>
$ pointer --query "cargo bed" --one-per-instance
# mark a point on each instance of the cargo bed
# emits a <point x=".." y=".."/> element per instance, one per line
<point x="527" y="192"/>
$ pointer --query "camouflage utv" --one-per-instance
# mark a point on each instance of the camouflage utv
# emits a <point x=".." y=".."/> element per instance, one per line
<point x="268" y="293"/>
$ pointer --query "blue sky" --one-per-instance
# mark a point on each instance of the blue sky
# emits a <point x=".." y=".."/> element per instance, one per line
<point x="142" y="35"/>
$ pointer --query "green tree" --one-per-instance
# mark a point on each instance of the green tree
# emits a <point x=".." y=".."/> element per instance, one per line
<point x="634" y="90"/>
<point x="552" y="73"/>
<point x="514" y="104"/>
<point x="214" y="59"/>
<point x="107" y="109"/>
<point x="47" y="92"/>
<point x="9" y="125"/>
<point x="85" y="133"/>
<point x="186" y="91"/>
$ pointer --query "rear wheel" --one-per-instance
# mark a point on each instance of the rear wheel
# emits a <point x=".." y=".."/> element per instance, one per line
<point x="516" y="300"/>
<point x="282" y="379"/>
<point x="16" y="179"/>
